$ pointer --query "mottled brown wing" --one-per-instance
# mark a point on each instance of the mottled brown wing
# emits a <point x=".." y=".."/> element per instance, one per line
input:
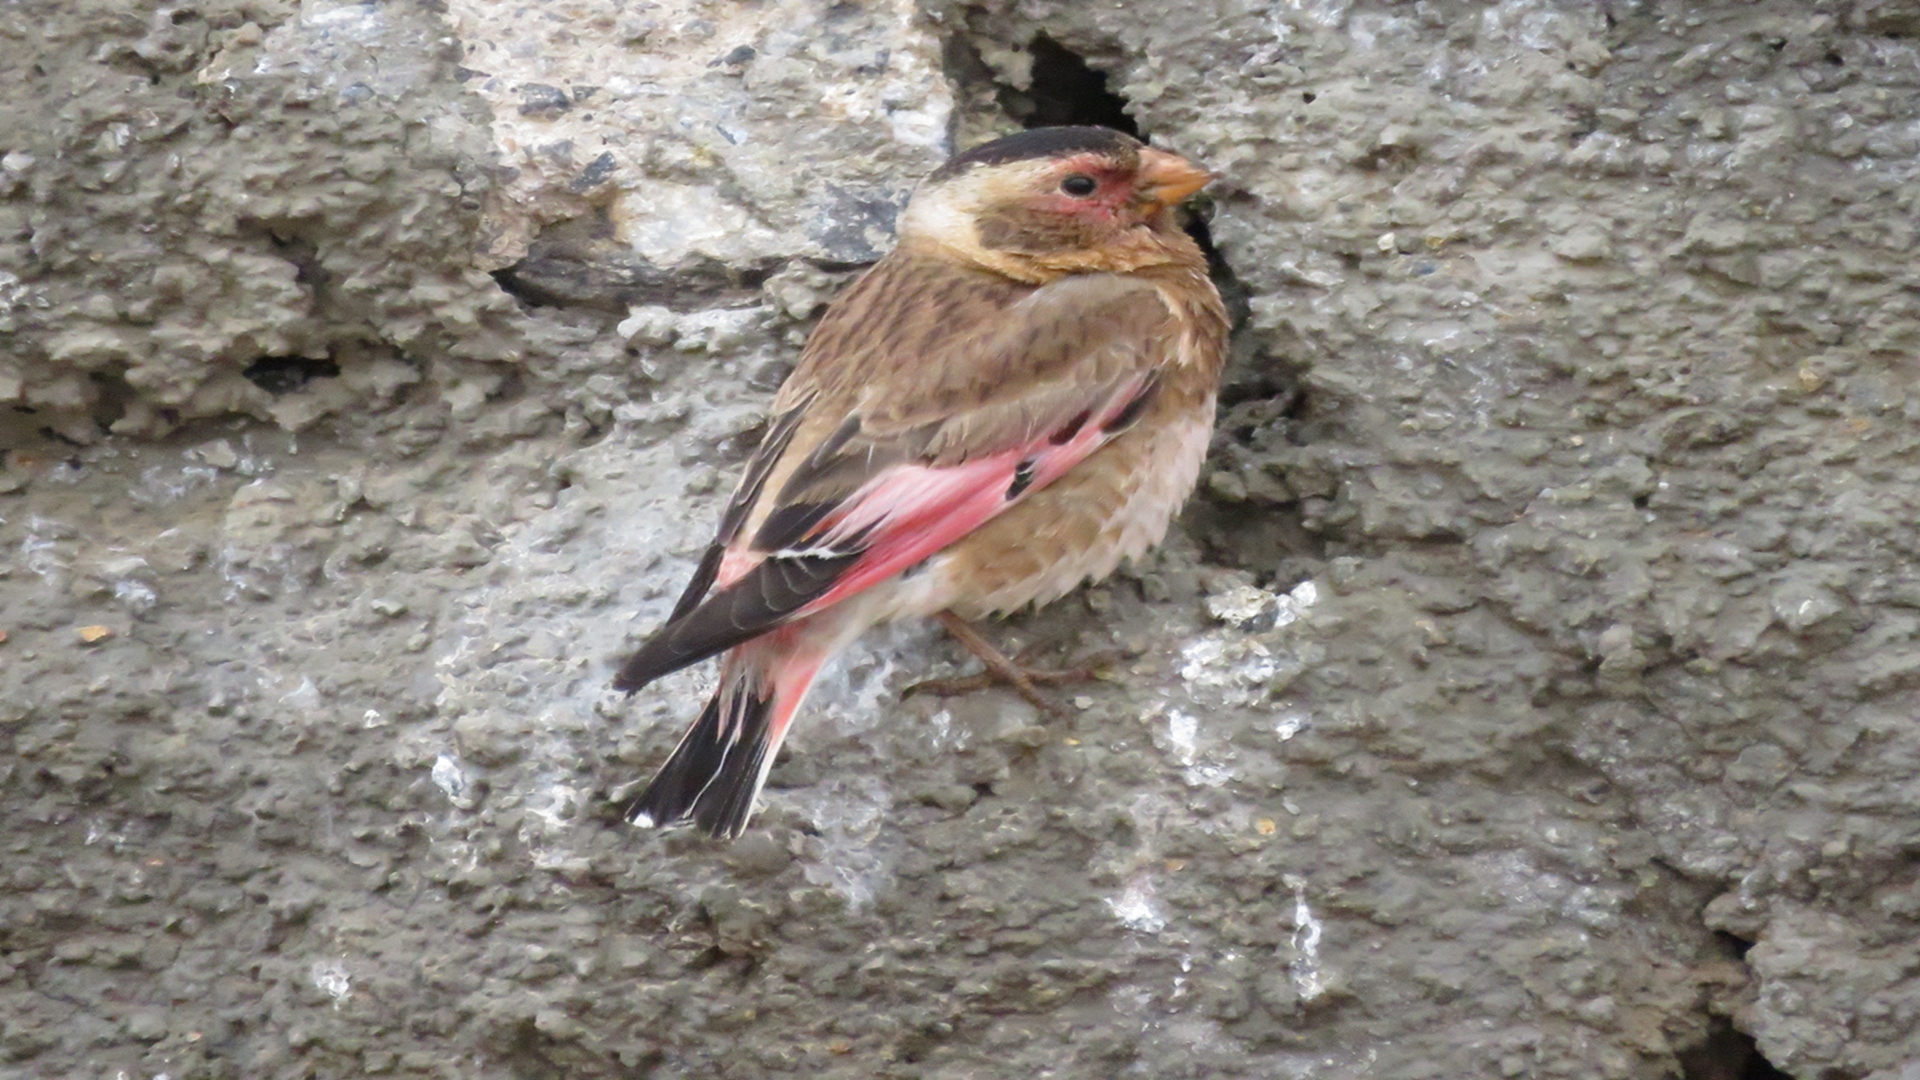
<point x="929" y="363"/>
<point x="912" y="371"/>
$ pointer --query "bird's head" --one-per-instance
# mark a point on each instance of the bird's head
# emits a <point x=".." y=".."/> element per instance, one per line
<point x="1054" y="201"/>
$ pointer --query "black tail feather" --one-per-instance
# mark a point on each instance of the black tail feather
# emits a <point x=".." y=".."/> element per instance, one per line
<point x="714" y="774"/>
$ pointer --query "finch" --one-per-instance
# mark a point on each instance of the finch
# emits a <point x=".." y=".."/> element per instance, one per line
<point x="1012" y="401"/>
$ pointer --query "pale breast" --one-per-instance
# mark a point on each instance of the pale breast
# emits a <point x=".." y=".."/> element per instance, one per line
<point x="1113" y="506"/>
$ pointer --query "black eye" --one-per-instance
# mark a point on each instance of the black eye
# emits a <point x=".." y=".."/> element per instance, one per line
<point x="1079" y="185"/>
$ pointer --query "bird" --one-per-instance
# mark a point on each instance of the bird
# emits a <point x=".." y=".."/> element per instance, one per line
<point x="1012" y="401"/>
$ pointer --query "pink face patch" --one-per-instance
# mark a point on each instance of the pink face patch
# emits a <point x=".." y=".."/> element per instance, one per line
<point x="1114" y="190"/>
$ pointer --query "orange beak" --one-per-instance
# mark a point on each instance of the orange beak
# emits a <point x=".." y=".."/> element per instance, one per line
<point x="1167" y="179"/>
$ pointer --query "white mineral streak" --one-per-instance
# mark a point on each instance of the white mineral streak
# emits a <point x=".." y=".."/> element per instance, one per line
<point x="1239" y="605"/>
<point x="848" y="851"/>
<point x="1182" y="741"/>
<point x="1242" y="604"/>
<point x="450" y="778"/>
<point x="1232" y="666"/>
<point x="1138" y="907"/>
<point x="330" y="977"/>
<point x="1183" y="733"/>
<point x="1305" y="967"/>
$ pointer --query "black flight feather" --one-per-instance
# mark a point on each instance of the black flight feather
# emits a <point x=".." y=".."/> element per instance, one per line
<point x="762" y="599"/>
<point x="772" y="445"/>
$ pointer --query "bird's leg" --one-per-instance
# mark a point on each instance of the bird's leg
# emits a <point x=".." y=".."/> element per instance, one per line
<point x="1000" y="668"/>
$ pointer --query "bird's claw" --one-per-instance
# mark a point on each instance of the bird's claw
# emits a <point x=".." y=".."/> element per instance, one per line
<point x="1001" y="670"/>
<point x="1025" y="681"/>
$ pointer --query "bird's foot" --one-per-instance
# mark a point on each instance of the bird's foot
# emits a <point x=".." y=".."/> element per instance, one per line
<point x="1001" y="670"/>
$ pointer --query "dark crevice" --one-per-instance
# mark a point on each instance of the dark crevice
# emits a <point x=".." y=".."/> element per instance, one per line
<point x="527" y="288"/>
<point x="284" y="374"/>
<point x="707" y="959"/>
<point x="112" y="395"/>
<point x="1065" y="90"/>
<point x="1727" y="1054"/>
<point x="1736" y="947"/>
<point x="291" y="240"/>
<point x="1585" y="122"/>
<point x="579" y="263"/>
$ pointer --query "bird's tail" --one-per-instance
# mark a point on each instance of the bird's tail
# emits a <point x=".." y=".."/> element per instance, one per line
<point x="723" y="760"/>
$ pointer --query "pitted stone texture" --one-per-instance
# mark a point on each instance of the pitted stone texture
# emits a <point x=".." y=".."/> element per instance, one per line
<point x="1565" y="620"/>
<point x="1606" y="318"/>
<point x="191" y="189"/>
<point x="707" y="131"/>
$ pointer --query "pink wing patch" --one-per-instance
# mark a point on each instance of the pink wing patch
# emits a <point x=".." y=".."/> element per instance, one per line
<point x="910" y="512"/>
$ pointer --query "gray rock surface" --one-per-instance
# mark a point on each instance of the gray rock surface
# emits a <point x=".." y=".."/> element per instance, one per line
<point x="1531" y="691"/>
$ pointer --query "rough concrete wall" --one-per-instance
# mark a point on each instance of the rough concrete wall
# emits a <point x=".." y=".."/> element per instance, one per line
<point x="1529" y="693"/>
